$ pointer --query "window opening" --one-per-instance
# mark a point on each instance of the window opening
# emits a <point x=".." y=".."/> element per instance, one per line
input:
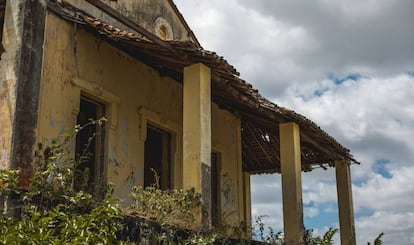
<point x="157" y="158"/>
<point x="163" y="33"/>
<point x="90" y="147"/>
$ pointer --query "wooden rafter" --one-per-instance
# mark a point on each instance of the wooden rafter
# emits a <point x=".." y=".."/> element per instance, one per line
<point x="259" y="143"/>
<point x="228" y="91"/>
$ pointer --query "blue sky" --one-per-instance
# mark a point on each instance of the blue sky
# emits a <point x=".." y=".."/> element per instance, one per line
<point x="348" y="65"/>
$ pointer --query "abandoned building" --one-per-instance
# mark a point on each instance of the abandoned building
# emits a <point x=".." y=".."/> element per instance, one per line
<point x="171" y="106"/>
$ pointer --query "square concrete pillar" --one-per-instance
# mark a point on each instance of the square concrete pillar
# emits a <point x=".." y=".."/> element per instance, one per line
<point x="197" y="135"/>
<point x="291" y="183"/>
<point x="247" y="199"/>
<point x="20" y="76"/>
<point x="345" y="204"/>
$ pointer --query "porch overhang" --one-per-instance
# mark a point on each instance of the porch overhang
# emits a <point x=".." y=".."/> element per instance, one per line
<point x="259" y="117"/>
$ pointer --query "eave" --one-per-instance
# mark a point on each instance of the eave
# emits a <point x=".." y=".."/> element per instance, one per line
<point x="259" y="117"/>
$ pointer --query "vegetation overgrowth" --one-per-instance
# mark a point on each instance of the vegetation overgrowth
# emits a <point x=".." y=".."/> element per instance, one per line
<point x="52" y="211"/>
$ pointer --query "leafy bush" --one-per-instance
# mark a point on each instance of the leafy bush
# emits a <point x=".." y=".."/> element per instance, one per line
<point x="173" y="207"/>
<point x="326" y="239"/>
<point x="378" y="240"/>
<point x="50" y="211"/>
<point x="269" y="237"/>
<point x="174" y="211"/>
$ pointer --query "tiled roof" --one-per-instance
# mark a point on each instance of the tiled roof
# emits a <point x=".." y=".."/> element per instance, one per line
<point x="259" y="116"/>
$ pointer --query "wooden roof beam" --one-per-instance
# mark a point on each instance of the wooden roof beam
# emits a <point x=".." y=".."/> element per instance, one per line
<point x="315" y="144"/>
<point x="254" y="136"/>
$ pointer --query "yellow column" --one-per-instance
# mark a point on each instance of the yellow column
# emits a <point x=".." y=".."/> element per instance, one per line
<point x="291" y="183"/>
<point x="197" y="135"/>
<point x="247" y="199"/>
<point x="345" y="205"/>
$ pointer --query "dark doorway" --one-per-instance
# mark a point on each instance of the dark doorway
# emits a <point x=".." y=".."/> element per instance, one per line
<point x="157" y="158"/>
<point x="215" y="189"/>
<point x="89" y="146"/>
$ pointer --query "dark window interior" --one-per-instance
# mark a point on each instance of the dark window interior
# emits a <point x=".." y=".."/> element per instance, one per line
<point x="89" y="146"/>
<point x="215" y="189"/>
<point x="157" y="158"/>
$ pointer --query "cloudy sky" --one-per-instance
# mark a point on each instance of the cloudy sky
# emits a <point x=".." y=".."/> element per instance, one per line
<point x="349" y="66"/>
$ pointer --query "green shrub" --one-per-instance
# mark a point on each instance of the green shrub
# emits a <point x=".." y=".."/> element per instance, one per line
<point x="326" y="239"/>
<point x="172" y="207"/>
<point x="51" y="211"/>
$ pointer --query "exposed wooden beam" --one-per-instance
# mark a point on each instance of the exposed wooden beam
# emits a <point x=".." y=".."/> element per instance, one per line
<point x="313" y="142"/>
<point x="254" y="136"/>
<point x="250" y="158"/>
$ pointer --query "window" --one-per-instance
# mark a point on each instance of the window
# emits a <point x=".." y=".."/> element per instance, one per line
<point x="163" y="29"/>
<point x="157" y="158"/>
<point x="215" y="189"/>
<point x="90" y="143"/>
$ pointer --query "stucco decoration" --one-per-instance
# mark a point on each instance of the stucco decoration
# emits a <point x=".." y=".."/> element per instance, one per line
<point x="163" y="29"/>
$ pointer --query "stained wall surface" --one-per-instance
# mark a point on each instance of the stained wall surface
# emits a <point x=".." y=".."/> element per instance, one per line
<point x="8" y="78"/>
<point x="226" y="138"/>
<point x="77" y="62"/>
<point x="150" y="14"/>
<point x="8" y="82"/>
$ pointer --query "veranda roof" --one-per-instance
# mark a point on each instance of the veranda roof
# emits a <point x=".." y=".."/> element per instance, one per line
<point x="259" y="117"/>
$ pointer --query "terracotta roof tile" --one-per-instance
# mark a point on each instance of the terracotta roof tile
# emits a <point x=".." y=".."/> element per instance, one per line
<point x="259" y="116"/>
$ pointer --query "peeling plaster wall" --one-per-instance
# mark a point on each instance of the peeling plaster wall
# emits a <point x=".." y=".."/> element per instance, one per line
<point x="146" y="12"/>
<point x="134" y="94"/>
<point x="129" y="85"/>
<point x="140" y="95"/>
<point x="226" y="139"/>
<point x="11" y="41"/>
<point x="143" y="12"/>
<point x="21" y="66"/>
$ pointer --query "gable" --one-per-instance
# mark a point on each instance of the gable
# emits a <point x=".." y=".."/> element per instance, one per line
<point x="160" y="17"/>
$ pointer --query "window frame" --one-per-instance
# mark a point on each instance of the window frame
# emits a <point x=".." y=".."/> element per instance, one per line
<point x="165" y="181"/>
<point x="94" y="91"/>
<point x="99" y="143"/>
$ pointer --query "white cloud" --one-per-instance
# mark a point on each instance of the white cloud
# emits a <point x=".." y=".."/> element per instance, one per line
<point x="381" y="194"/>
<point x="398" y="228"/>
<point x="267" y="201"/>
<point x="292" y="51"/>
<point x="311" y="212"/>
<point x="371" y="116"/>
<point x="374" y="118"/>
<point x="277" y="43"/>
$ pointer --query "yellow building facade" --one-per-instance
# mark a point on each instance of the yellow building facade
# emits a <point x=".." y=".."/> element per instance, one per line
<point x="170" y="106"/>
<point x="135" y="98"/>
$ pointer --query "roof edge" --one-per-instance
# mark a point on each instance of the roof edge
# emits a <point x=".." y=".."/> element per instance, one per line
<point x="184" y="22"/>
<point x="226" y="77"/>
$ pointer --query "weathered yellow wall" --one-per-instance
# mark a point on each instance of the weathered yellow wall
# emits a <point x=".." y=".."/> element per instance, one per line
<point x="226" y="140"/>
<point x="145" y="12"/>
<point x="142" y="12"/>
<point x="139" y="95"/>
<point x="135" y="85"/>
